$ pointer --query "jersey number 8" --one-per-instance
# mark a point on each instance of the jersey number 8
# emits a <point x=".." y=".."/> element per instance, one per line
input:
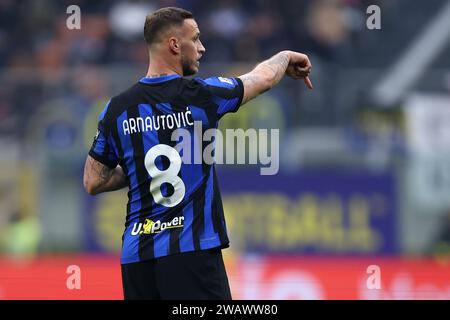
<point x="170" y="175"/>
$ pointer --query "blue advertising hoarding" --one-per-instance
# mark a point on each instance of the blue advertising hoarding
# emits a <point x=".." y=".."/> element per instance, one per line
<point x="329" y="212"/>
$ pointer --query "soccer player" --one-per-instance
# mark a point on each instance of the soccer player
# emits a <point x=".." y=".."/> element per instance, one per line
<point x="175" y="227"/>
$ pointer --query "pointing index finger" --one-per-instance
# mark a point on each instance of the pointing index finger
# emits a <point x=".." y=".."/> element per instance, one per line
<point x="308" y="83"/>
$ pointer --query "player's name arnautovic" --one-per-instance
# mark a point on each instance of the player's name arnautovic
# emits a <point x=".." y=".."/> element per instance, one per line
<point x="155" y="123"/>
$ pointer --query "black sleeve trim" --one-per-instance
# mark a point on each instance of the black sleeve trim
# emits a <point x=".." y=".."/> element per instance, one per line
<point x="241" y="93"/>
<point x="103" y="160"/>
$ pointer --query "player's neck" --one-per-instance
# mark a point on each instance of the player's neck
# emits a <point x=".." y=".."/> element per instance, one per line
<point x="159" y="68"/>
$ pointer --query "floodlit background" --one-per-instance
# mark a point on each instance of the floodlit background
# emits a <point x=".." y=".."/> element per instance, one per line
<point x="361" y="206"/>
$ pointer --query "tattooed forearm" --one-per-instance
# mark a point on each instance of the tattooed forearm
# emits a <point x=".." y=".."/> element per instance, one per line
<point x="264" y="76"/>
<point x="277" y="65"/>
<point x="99" y="178"/>
<point x="96" y="171"/>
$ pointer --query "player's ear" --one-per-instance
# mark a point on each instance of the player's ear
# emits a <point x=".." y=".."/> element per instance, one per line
<point x="174" y="45"/>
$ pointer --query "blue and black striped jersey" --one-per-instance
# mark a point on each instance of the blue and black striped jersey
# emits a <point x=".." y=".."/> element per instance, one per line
<point x="174" y="205"/>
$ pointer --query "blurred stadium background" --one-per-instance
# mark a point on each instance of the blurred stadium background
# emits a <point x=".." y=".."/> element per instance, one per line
<point x="365" y="169"/>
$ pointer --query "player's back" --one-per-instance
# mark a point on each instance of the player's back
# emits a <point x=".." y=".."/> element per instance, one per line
<point x="154" y="131"/>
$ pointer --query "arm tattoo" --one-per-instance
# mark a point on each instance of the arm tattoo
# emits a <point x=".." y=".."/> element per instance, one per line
<point x="277" y="65"/>
<point x="252" y="80"/>
<point x="249" y="79"/>
<point x="103" y="173"/>
<point x="100" y="178"/>
<point x="272" y="69"/>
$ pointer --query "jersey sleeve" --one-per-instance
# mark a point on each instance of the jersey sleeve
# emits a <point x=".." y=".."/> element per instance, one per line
<point x="102" y="149"/>
<point x="227" y="93"/>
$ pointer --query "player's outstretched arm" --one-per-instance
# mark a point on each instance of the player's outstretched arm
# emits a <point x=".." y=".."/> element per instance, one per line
<point x="100" y="178"/>
<point x="268" y="73"/>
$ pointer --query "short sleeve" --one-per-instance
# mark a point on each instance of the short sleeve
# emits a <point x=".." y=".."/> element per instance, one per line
<point x="102" y="149"/>
<point x="227" y="93"/>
